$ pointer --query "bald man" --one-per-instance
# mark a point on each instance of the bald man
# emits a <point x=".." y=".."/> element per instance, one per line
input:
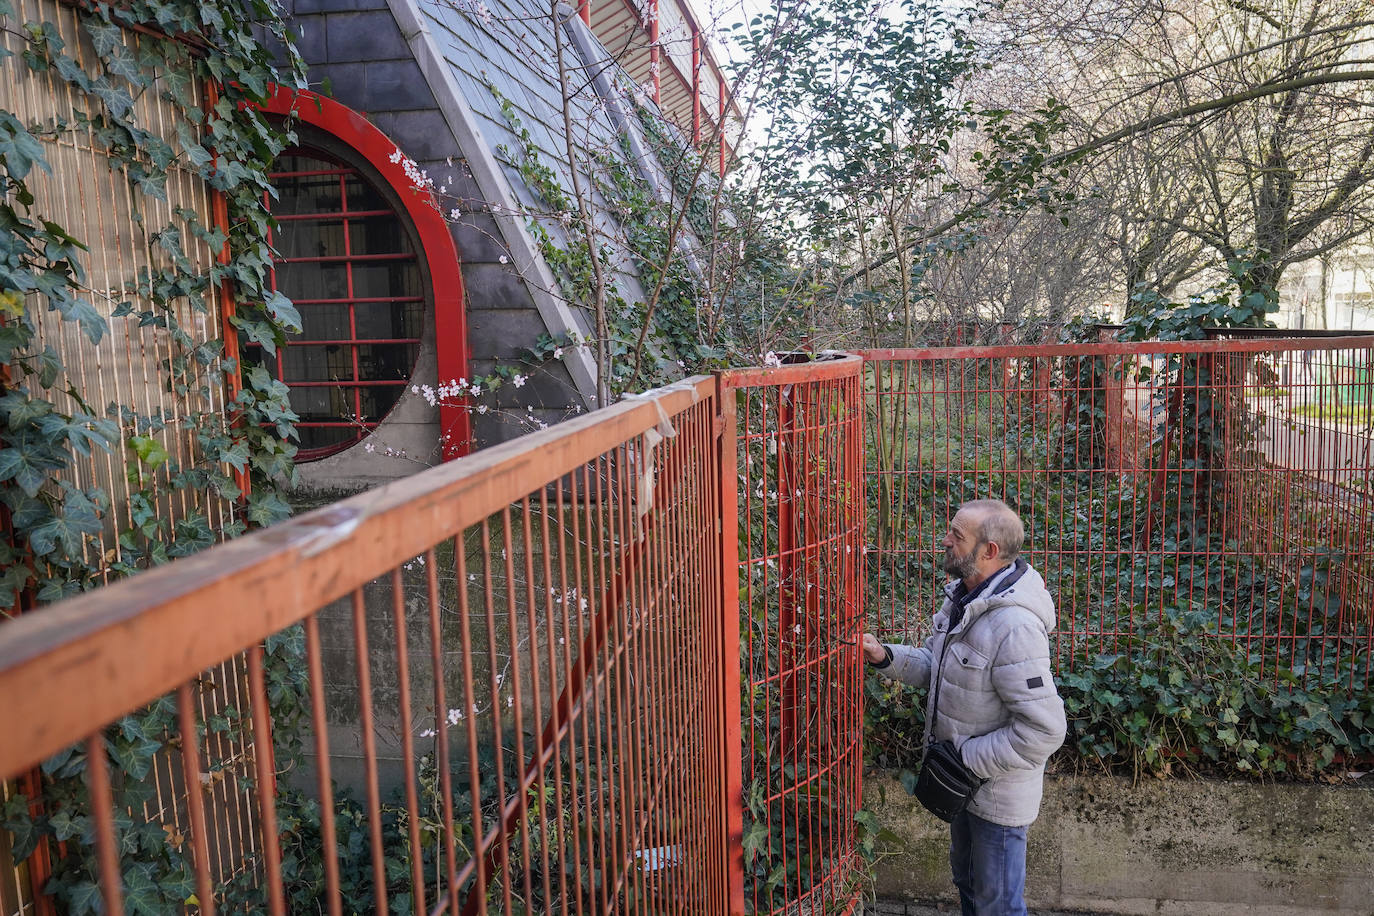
<point x="992" y="698"/>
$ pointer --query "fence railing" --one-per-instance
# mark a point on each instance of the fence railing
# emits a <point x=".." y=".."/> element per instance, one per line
<point x="1231" y="476"/>
<point x="516" y="663"/>
<point x="612" y="666"/>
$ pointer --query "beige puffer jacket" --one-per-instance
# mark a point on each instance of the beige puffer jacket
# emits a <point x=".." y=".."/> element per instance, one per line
<point x="997" y="699"/>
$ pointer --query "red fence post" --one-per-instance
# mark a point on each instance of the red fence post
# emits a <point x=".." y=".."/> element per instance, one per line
<point x="732" y="786"/>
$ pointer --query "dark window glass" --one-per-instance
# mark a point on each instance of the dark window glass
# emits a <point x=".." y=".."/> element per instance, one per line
<point x="357" y="283"/>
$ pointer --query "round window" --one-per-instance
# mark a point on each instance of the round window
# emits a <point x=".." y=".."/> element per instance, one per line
<point x="348" y="260"/>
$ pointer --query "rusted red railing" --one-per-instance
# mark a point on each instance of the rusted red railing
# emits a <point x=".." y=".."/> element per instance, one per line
<point x="1235" y="476"/>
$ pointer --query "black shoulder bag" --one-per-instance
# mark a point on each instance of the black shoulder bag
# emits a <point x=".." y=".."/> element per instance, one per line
<point x="944" y="786"/>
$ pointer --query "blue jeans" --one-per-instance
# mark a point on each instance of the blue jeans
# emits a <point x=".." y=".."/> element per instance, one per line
<point x="989" y="865"/>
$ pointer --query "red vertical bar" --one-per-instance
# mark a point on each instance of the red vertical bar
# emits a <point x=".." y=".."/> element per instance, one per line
<point x="365" y="723"/>
<point x="265" y="768"/>
<point x="195" y="798"/>
<point x="720" y="127"/>
<point x="502" y="839"/>
<point x="398" y="623"/>
<point x="584" y="9"/>
<point x="540" y="750"/>
<point x="448" y="884"/>
<point x="328" y="832"/>
<point x="732" y="799"/>
<point x="789" y="442"/>
<point x="102" y="804"/>
<point x="696" y="87"/>
<point x="219" y="213"/>
<point x="558" y="713"/>
<point x="477" y="896"/>
<point x="569" y="507"/>
<point x="515" y="700"/>
<point x="655" y="53"/>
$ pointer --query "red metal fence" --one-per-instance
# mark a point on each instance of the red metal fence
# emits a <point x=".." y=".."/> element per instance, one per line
<point x="612" y="666"/>
<point x="509" y="684"/>
<point x="1234" y="477"/>
<point x="515" y="661"/>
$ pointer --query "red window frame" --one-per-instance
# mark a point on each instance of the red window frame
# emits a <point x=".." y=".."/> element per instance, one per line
<point x="437" y="247"/>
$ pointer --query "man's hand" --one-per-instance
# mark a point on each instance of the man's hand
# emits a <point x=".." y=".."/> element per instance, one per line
<point x="873" y="650"/>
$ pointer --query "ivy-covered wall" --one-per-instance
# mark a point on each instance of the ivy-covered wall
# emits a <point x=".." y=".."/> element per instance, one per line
<point x="134" y="170"/>
<point x="133" y="255"/>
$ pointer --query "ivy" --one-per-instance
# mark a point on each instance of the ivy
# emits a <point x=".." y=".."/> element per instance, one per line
<point x="47" y="424"/>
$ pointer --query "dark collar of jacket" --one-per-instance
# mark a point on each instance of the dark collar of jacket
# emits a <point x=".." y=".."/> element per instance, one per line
<point x="960" y="597"/>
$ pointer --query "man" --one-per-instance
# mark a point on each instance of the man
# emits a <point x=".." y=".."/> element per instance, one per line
<point x="987" y="662"/>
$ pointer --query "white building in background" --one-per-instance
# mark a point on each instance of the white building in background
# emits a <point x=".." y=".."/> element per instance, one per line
<point x="1335" y="293"/>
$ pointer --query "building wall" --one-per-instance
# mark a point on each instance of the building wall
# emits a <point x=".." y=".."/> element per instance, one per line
<point x="358" y="56"/>
<point x="1336" y="295"/>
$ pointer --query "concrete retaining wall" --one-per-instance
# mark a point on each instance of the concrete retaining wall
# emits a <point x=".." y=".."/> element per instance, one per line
<point x="1163" y="846"/>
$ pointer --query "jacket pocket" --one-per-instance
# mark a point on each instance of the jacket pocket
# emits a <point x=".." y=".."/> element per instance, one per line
<point x="969" y="659"/>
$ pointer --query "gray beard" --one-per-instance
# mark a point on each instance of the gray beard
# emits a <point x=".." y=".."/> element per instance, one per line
<point x="960" y="567"/>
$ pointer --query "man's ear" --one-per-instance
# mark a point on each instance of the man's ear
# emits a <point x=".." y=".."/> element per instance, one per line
<point x="994" y="549"/>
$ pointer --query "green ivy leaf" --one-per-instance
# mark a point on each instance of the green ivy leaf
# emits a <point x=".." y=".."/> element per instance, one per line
<point x="149" y="451"/>
<point x="67" y="531"/>
<point x="142" y="895"/>
<point x="19" y="149"/>
<point x="755" y="840"/>
<point x="17" y="465"/>
<point x="84" y="897"/>
<point x="283" y="312"/>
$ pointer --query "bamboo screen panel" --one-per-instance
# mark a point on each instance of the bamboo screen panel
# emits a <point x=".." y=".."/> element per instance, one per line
<point x="90" y="195"/>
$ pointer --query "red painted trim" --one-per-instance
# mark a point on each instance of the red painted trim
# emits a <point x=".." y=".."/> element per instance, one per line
<point x="710" y="59"/>
<point x="696" y="88"/>
<point x="219" y="210"/>
<point x="445" y="268"/>
<point x="720" y="132"/>
<point x="654" y="55"/>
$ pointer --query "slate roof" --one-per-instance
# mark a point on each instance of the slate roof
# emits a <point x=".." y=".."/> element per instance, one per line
<point x="507" y="50"/>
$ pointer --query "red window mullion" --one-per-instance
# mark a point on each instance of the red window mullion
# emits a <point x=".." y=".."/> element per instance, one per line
<point x="337" y="258"/>
<point x="311" y="173"/>
<point x="361" y="300"/>
<point x="352" y="303"/>
<point x="313" y="342"/>
<point x="328" y="214"/>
